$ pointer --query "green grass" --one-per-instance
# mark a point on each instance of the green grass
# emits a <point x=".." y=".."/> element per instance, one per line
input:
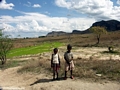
<point x="45" y="47"/>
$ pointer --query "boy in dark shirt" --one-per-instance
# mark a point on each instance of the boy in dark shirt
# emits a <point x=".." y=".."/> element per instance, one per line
<point x="69" y="65"/>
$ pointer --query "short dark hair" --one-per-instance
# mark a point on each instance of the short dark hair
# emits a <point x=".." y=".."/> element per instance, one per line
<point x="55" y="49"/>
<point x="69" y="46"/>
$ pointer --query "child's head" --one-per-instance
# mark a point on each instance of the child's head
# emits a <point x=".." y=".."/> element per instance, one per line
<point x="55" y="50"/>
<point x="69" y="47"/>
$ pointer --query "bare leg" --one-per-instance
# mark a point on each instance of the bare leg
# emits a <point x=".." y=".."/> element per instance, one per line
<point x="57" y="76"/>
<point x="71" y="72"/>
<point x="53" y="75"/>
<point x="65" y="75"/>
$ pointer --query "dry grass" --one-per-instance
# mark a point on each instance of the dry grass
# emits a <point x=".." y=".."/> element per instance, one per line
<point x="36" y="66"/>
<point x="40" y="66"/>
<point x="84" y="69"/>
<point x="112" y="38"/>
<point x="107" y="69"/>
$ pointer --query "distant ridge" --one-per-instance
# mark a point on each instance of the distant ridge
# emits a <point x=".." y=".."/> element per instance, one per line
<point x="56" y="33"/>
<point x="110" y="25"/>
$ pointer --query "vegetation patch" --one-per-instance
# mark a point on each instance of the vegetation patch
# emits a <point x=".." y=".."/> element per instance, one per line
<point x="36" y="66"/>
<point x="111" y="52"/>
<point x="45" y="47"/>
<point x="12" y="63"/>
<point x="101" y="69"/>
<point x="84" y="69"/>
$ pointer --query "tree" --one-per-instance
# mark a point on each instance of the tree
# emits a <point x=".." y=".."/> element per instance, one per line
<point x="5" y="46"/>
<point x="98" y="31"/>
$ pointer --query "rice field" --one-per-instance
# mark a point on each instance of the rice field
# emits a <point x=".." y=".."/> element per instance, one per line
<point x="30" y="50"/>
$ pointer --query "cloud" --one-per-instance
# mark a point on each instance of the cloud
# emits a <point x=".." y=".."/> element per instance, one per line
<point x="28" y="4"/>
<point x="63" y="3"/>
<point x="42" y="24"/>
<point x="103" y="9"/>
<point x="36" y="6"/>
<point x="4" y="5"/>
<point x="118" y="2"/>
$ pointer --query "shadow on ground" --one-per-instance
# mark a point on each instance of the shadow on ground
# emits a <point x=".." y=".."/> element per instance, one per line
<point x="46" y="81"/>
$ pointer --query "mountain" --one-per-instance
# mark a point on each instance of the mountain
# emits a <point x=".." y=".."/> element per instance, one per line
<point x="56" y="33"/>
<point x="80" y="32"/>
<point x="110" y="25"/>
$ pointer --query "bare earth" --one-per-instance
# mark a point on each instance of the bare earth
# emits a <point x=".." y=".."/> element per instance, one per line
<point x="11" y="80"/>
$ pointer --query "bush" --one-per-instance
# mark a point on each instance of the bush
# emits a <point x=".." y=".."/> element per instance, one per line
<point x="111" y="48"/>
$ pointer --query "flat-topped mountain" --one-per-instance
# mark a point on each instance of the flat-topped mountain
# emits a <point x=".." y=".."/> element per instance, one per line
<point x="111" y="25"/>
<point x="56" y="33"/>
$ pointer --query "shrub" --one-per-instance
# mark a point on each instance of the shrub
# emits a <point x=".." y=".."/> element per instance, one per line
<point x="111" y="48"/>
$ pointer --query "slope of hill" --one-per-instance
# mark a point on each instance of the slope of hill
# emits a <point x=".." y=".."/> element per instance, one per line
<point x="111" y="25"/>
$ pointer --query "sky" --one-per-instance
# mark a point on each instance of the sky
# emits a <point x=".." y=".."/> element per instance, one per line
<point x="34" y="18"/>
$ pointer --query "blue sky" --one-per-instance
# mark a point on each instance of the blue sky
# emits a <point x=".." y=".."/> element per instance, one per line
<point x="33" y="18"/>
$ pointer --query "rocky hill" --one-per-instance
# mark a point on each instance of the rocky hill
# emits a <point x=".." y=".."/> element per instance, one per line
<point x="56" y="33"/>
<point x="111" y="25"/>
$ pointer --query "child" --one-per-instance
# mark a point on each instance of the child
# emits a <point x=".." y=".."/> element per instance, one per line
<point x="69" y="65"/>
<point x="55" y="63"/>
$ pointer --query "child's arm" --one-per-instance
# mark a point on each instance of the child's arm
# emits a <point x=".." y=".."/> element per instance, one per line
<point x="66" y="60"/>
<point x="59" y="59"/>
<point x="52" y="60"/>
<point x="71" y="57"/>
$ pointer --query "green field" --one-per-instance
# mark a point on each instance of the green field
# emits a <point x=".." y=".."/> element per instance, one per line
<point x="45" y="47"/>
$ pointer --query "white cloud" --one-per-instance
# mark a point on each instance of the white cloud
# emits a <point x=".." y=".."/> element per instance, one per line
<point x="98" y="9"/>
<point x="42" y="24"/>
<point x="28" y="4"/>
<point x="118" y="2"/>
<point x="63" y="3"/>
<point x="7" y="27"/>
<point x="4" y="5"/>
<point x="36" y="6"/>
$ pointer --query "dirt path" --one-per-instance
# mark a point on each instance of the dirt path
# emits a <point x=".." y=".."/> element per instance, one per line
<point x="74" y="85"/>
<point x="11" y="80"/>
